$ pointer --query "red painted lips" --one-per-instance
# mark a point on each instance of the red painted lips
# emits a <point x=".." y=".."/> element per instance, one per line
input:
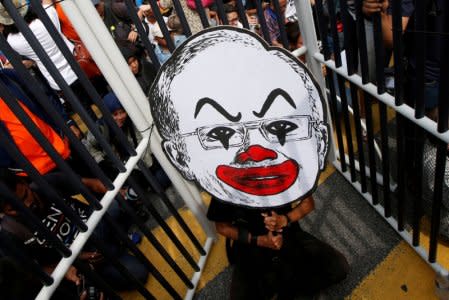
<point x="260" y="181"/>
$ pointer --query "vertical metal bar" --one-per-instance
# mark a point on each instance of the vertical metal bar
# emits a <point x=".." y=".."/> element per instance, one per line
<point x="14" y="152"/>
<point x="323" y="28"/>
<point x="335" y="39"/>
<point x="371" y="150"/>
<point x="443" y="105"/>
<point x="379" y="49"/>
<point x="242" y="14"/>
<point x="262" y="21"/>
<point x="143" y="35"/>
<point x="347" y="124"/>
<point x="110" y="257"/>
<point x="87" y="271"/>
<point x="336" y="118"/>
<point x="281" y="23"/>
<point x="404" y="110"/>
<point x="154" y="184"/>
<point x="33" y="222"/>
<point x="147" y="202"/>
<point x="358" y="132"/>
<point x="74" y="101"/>
<point x="152" y="239"/>
<point x="420" y="51"/>
<point x="418" y="174"/>
<point x="221" y="12"/>
<point x="45" y="144"/>
<point x="87" y="85"/>
<point x="23" y="259"/>
<point x="309" y="36"/>
<point x="122" y="81"/>
<point x="440" y="166"/>
<point x="109" y="59"/>
<point x="160" y="20"/>
<point x="361" y="41"/>
<point x="182" y="17"/>
<point x="385" y="158"/>
<point x="94" y="219"/>
<point x="397" y="53"/>
<point x="121" y="235"/>
<point x="202" y="13"/>
<point x="401" y="158"/>
<point x="348" y="39"/>
<point x="48" y="107"/>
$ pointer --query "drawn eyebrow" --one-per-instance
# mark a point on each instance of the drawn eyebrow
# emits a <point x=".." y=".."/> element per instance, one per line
<point x="218" y="107"/>
<point x="270" y="99"/>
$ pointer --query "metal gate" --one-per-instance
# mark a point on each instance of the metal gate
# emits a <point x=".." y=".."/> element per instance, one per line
<point x="381" y="150"/>
<point x="369" y="164"/>
<point x="108" y="58"/>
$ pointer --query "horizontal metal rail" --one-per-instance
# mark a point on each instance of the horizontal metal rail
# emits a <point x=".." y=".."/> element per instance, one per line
<point x="405" y="110"/>
<point x="438" y="268"/>
<point x="92" y="222"/>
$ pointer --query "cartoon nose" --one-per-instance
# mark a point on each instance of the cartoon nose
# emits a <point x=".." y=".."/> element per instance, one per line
<point x="256" y="153"/>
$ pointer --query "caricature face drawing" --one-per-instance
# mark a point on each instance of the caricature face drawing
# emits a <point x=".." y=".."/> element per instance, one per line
<point x="252" y="131"/>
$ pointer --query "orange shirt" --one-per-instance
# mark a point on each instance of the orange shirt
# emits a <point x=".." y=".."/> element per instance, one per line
<point x="27" y="144"/>
<point x="66" y="26"/>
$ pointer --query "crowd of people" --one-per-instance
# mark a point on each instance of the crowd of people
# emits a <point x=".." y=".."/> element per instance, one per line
<point x="123" y="30"/>
<point x="13" y="223"/>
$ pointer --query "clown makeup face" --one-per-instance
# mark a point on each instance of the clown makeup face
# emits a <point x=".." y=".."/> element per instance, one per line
<point x="249" y="135"/>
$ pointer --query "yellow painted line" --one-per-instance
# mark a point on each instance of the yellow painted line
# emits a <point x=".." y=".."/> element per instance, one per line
<point x="161" y="265"/>
<point x="401" y="275"/>
<point x="443" y="248"/>
<point x="328" y="171"/>
<point x="215" y="264"/>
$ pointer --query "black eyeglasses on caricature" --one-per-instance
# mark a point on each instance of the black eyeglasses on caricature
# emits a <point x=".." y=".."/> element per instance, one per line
<point x="275" y="130"/>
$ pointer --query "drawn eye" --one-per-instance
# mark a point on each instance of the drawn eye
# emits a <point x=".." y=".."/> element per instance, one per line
<point x="222" y="134"/>
<point x="281" y="129"/>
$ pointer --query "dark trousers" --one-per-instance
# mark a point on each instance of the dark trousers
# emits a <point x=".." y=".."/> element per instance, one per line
<point x="303" y="266"/>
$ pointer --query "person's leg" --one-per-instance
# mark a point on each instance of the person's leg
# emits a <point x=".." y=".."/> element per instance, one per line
<point x="241" y="284"/>
<point x="330" y="265"/>
<point x="253" y="272"/>
<point x="310" y="265"/>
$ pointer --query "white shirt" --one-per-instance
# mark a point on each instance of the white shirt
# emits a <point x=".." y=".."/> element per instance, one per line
<point x="150" y="31"/>
<point x="155" y="31"/>
<point x="21" y="46"/>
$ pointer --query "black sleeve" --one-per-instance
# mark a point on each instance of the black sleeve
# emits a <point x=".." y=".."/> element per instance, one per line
<point x="220" y="211"/>
<point x="251" y="218"/>
<point x="58" y="180"/>
<point x="407" y="8"/>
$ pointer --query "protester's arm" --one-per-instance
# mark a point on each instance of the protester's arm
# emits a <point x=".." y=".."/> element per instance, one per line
<point x="268" y="241"/>
<point x="71" y="275"/>
<point x="371" y="7"/>
<point x="94" y="184"/>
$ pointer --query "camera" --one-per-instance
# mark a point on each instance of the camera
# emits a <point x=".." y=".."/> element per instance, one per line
<point x="93" y="293"/>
